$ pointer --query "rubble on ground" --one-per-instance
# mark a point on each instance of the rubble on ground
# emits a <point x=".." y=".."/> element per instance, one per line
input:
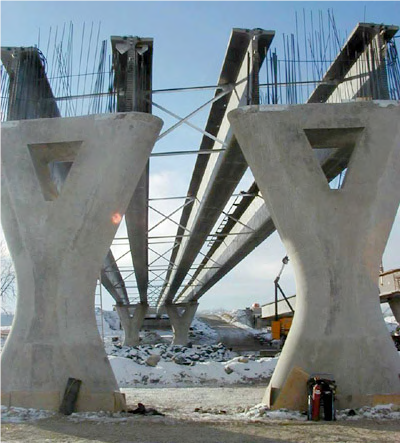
<point x="181" y="355"/>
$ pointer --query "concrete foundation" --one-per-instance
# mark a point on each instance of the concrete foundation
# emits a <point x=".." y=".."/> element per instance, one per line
<point x="334" y="238"/>
<point x="132" y="317"/>
<point x="181" y="316"/>
<point x="58" y="235"/>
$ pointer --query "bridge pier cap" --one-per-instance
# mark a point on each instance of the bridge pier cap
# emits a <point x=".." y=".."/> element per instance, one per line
<point x="58" y="237"/>
<point x="334" y="238"/>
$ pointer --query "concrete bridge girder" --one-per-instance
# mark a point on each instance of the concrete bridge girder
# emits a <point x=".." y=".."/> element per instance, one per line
<point x="342" y="74"/>
<point x="132" y="63"/>
<point x="112" y="280"/>
<point x="216" y="177"/>
<point x="252" y="228"/>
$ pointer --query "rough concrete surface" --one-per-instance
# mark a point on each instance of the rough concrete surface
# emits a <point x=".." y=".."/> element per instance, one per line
<point x="181" y="316"/>
<point x="58" y="235"/>
<point x="132" y="318"/>
<point x="334" y="238"/>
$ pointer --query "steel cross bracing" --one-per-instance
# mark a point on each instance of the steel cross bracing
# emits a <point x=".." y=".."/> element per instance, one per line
<point x="252" y="211"/>
<point x="125" y="55"/>
<point x="245" y="53"/>
<point x="248" y="222"/>
<point x="157" y="272"/>
<point x="239" y="85"/>
<point x="244" y="235"/>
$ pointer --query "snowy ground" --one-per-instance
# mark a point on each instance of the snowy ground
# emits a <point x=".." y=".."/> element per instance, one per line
<point x="202" y="383"/>
<point x="169" y="373"/>
<point x="206" y="362"/>
<point x="200" y="404"/>
<point x="392" y="324"/>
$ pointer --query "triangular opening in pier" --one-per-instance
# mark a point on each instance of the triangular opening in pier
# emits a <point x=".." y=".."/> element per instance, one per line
<point x="52" y="163"/>
<point x="333" y="148"/>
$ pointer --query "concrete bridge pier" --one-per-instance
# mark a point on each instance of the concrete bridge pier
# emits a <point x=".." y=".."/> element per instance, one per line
<point x="132" y="317"/>
<point x="58" y="234"/>
<point x="335" y="238"/>
<point x="181" y="316"/>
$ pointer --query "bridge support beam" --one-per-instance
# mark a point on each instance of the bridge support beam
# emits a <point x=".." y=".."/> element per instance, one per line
<point x="58" y="237"/>
<point x="181" y="316"/>
<point x="132" y="317"/>
<point x="334" y="238"/>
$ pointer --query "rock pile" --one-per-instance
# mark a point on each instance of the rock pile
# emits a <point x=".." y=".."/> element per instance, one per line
<point x="201" y="333"/>
<point x="181" y="355"/>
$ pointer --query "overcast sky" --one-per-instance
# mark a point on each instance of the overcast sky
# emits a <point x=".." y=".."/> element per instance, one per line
<point x="190" y="40"/>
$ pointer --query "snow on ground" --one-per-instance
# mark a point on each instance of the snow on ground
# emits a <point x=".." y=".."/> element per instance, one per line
<point x="202" y="332"/>
<point x="108" y="323"/>
<point x="197" y="364"/>
<point x="203" y="364"/>
<point x="182" y="355"/>
<point x="240" y="318"/>
<point x="257" y="413"/>
<point x="260" y="411"/>
<point x="391" y="324"/>
<point x="20" y="415"/>
<point x="168" y="373"/>
<point x="379" y="412"/>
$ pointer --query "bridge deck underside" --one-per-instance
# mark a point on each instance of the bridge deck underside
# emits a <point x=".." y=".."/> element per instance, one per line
<point x="215" y="178"/>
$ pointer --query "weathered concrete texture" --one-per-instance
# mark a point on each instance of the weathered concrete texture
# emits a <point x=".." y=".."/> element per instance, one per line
<point x="58" y="239"/>
<point x="181" y="316"/>
<point x="293" y="395"/>
<point x="132" y="317"/>
<point x="334" y="238"/>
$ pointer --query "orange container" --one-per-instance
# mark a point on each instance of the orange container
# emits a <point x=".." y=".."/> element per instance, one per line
<point x="276" y="330"/>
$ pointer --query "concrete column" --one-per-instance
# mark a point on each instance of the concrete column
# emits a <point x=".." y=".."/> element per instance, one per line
<point x="132" y="317"/>
<point x="181" y="316"/>
<point x="334" y="238"/>
<point x="394" y="304"/>
<point x="58" y="239"/>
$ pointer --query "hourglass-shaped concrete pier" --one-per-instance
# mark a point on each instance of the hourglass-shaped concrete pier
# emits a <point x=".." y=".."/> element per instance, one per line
<point x="335" y="238"/>
<point x="58" y="233"/>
